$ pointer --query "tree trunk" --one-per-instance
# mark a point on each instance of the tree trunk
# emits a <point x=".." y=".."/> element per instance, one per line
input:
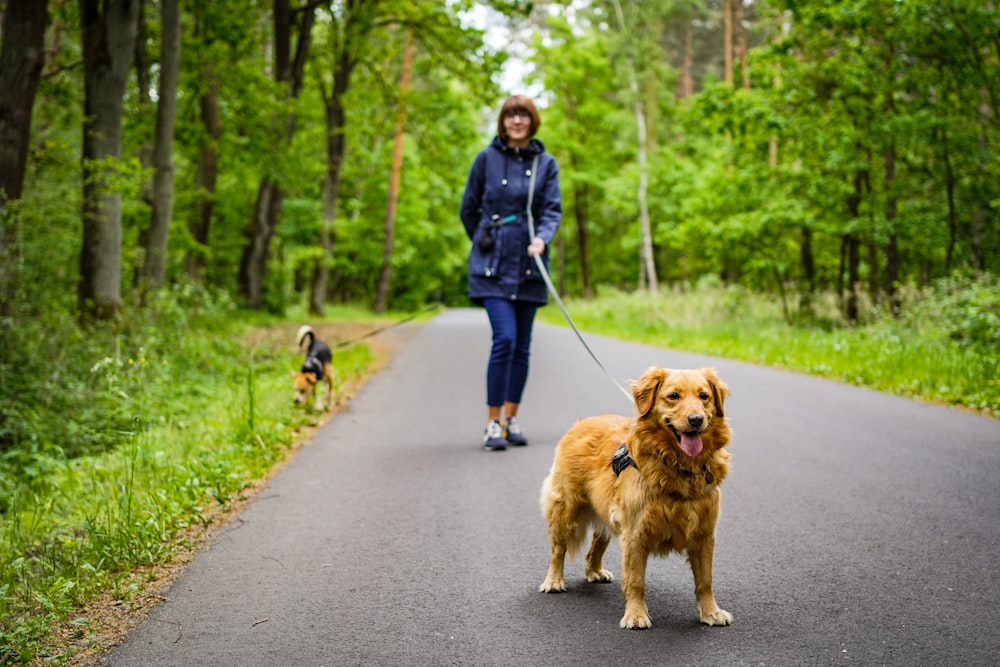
<point x="853" y="248"/>
<point x="155" y="267"/>
<point x="580" y="210"/>
<point x="808" y="261"/>
<point x="686" y="82"/>
<point x="200" y="222"/>
<point x="741" y="43"/>
<point x="108" y="43"/>
<point x="892" y="247"/>
<point x="22" y="56"/>
<point x="253" y="263"/>
<point x="949" y="187"/>
<point x="727" y="19"/>
<point x="395" y="174"/>
<point x="289" y="69"/>
<point x="358" y="22"/>
<point x="647" y="261"/>
<point x="336" y="132"/>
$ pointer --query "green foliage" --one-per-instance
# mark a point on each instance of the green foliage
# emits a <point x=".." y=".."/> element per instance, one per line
<point x="120" y="444"/>
<point x="912" y="357"/>
<point x="967" y="308"/>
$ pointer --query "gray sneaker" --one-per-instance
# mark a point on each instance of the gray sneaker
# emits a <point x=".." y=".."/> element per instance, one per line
<point x="493" y="436"/>
<point x="512" y="431"/>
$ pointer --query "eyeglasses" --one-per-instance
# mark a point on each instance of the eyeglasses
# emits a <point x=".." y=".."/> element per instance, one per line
<point x="518" y="113"/>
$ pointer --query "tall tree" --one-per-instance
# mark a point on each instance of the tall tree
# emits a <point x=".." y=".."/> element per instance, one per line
<point x="292" y="38"/>
<point x="109" y="32"/>
<point x="627" y="30"/>
<point x="155" y="264"/>
<point x="395" y="175"/>
<point x="349" y="27"/>
<point x="22" y="55"/>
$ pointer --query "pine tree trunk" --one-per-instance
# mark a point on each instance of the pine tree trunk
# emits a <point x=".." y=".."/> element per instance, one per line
<point x="108" y="43"/>
<point x="22" y="55"/>
<point x="395" y="176"/>
<point x="727" y="10"/>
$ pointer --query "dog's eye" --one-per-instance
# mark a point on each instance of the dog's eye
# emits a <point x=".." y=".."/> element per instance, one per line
<point x="673" y="396"/>
<point x="704" y="396"/>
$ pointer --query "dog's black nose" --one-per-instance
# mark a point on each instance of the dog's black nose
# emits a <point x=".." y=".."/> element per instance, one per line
<point x="696" y="421"/>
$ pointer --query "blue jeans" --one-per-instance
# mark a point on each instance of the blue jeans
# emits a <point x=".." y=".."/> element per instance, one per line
<point x="507" y="372"/>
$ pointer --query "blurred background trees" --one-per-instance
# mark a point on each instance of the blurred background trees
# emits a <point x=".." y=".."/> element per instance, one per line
<point x="275" y="150"/>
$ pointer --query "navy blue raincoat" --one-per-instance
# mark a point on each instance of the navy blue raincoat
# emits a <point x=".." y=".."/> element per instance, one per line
<point x="495" y="204"/>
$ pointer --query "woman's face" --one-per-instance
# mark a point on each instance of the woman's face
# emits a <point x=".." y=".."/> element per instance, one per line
<point x="518" y="126"/>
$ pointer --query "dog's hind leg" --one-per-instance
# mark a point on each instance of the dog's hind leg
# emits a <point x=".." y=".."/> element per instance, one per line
<point x="595" y="568"/>
<point x="566" y="531"/>
<point x="328" y="381"/>
<point x="554" y="580"/>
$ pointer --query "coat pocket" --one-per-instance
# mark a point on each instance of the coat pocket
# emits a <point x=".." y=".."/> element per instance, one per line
<point x="483" y="255"/>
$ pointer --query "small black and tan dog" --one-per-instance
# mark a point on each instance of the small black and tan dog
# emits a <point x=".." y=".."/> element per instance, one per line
<point x="315" y="369"/>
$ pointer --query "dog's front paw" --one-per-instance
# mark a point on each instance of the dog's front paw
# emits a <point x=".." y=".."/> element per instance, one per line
<point x="552" y="586"/>
<point x="601" y="576"/>
<point x="635" y="621"/>
<point x="717" y="617"/>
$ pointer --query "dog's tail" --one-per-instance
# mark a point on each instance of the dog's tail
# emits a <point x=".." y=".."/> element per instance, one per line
<point x="305" y="332"/>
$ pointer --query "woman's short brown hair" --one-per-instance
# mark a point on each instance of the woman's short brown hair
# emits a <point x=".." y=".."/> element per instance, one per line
<point x="518" y="103"/>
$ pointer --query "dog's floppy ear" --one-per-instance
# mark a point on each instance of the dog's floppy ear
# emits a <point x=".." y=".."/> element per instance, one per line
<point x="644" y="389"/>
<point x="719" y="389"/>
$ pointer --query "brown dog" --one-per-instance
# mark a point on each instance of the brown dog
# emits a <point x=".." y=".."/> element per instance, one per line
<point x="652" y="481"/>
<point x="316" y="368"/>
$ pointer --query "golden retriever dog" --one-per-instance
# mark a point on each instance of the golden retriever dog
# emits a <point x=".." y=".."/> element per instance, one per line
<point x="316" y="368"/>
<point x="652" y="481"/>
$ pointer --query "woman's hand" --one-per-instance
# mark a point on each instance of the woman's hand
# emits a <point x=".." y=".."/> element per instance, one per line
<point x="537" y="247"/>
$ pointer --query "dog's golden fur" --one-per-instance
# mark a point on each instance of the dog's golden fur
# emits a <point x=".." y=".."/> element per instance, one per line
<point x="667" y="501"/>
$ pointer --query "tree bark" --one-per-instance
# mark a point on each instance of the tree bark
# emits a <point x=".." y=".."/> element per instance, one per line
<point x="357" y="23"/>
<point x="200" y="222"/>
<point x="852" y="248"/>
<point x="395" y="175"/>
<point x="580" y="210"/>
<point x="154" y="270"/>
<point x="22" y="56"/>
<point x="741" y="43"/>
<point x="289" y="70"/>
<point x="647" y="261"/>
<point x="727" y="19"/>
<point x="892" y="246"/>
<point x="108" y="43"/>
<point x="686" y="82"/>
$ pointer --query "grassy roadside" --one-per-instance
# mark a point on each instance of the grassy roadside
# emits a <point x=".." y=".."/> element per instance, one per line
<point x="941" y="350"/>
<point x="179" y="419"/>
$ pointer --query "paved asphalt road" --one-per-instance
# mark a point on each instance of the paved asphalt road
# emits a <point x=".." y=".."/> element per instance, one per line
<point x="856" y="529"/>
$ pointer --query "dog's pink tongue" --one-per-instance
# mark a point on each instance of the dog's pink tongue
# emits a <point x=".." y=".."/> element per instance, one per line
<point x="691" y="443"/>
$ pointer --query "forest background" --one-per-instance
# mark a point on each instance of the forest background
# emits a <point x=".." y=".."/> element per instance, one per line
<point x="174" y="172"/>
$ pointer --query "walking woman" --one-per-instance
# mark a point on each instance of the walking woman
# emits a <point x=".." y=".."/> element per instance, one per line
<point x="503" y="276"/>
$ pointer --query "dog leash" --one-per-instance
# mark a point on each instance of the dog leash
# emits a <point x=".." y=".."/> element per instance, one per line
<point x="374" y="332"/>
<point x="552" y="289"/>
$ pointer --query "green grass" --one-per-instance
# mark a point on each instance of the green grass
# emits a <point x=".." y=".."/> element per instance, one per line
<point x="179" y="414"/>
<point x="916" y="356"/>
